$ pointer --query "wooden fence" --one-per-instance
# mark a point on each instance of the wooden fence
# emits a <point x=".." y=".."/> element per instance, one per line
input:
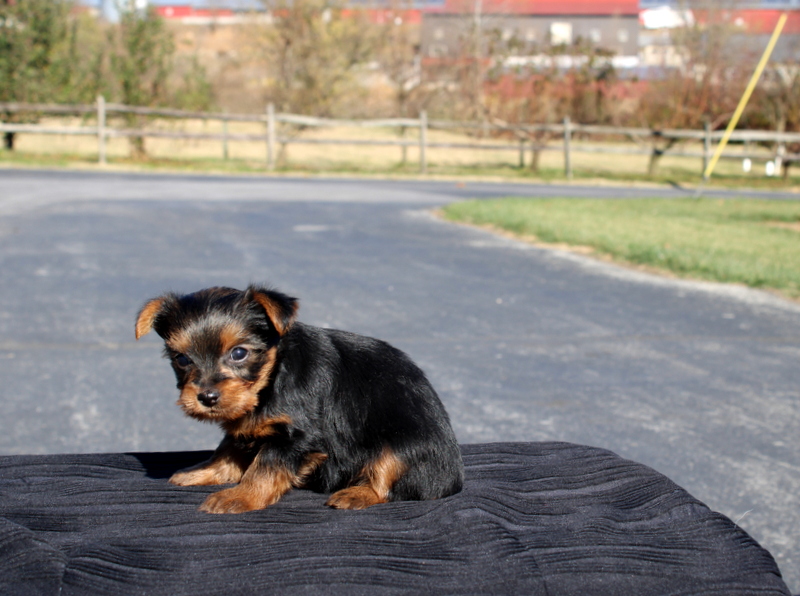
<point x="523" y="139"/>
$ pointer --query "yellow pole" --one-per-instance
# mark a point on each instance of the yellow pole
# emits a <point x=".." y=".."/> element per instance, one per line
<point x="746" y="97"/>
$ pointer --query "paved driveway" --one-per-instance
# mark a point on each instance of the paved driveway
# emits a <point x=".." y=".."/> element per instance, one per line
<point x="699" y="381"/>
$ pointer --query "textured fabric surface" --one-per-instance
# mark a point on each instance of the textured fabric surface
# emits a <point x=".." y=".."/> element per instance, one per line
<point x="533" y="518"/>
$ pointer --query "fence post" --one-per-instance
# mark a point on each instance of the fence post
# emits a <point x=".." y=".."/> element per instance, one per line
<point x="536" y="153"/>
<point x="101" y="130"/>
<point x="270" y="136"/>
<point x="567" y="137"/>
<point x="521" y="153"/>
<point x="706" y="144"/>
<point x="225" y="137"/>
<point x="423" y="141"/>
<point x="779" y="158"/>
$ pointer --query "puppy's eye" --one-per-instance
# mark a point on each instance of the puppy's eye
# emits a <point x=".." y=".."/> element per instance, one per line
<point x="182" y="361"/>
<point x="239" y="353"/>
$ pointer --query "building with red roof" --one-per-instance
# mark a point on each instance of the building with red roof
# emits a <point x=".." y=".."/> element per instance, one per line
<point x="750" y="20"/>
<point x="745" y="27"/>
<point x="531" y="27"/>
<point x="603" y="8"/>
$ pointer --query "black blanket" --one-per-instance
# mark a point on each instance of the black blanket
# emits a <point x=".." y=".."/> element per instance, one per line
<point x="533" y="518"/>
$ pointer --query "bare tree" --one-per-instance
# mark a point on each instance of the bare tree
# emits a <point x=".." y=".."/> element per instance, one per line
<point x="709" y="85"/>
<point x="776" y="106"/>
<point x="312" y="54"/>
<point x="143" y="68"/>
<point x="399" y="60"/>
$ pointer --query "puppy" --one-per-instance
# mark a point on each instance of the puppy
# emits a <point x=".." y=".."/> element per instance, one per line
<point x="301" y="406"/>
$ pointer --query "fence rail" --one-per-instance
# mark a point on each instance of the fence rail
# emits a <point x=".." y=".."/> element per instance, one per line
<point x="531" y="138"/>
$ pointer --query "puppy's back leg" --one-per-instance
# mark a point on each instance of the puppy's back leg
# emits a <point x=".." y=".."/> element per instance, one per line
<point x="372" y="485"/>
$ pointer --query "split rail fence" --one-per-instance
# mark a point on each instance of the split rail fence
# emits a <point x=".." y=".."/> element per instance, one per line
<point x="524" y="139"/>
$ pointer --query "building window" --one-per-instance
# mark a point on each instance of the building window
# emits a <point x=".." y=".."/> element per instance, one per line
<point x="530" y="35"/>
<point x="561" y="33"/>
<point x="595" y="35"/>
<point x="438" y="33"/>
<point x="622" y="35"/>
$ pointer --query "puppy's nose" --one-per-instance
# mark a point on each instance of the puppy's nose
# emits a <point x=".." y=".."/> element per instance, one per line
<point x="208" y="397"/>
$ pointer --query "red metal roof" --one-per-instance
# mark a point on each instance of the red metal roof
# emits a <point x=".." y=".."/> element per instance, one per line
<point x="752" y="21"/>
<point x="546" y="7"/>
<point x="180" y="11"/>
<point x="381" y="17"/>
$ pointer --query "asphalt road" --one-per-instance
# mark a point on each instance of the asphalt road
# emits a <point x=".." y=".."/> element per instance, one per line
<point x="700" y="381"/>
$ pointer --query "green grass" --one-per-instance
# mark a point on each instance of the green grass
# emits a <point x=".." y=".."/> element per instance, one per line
<point x="507" y="171"/>
<point x="734" y="241"/>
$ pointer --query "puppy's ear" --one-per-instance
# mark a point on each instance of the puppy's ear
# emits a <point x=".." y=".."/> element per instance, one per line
<point x="148" y="315"/>
<point x="280" y="308"/>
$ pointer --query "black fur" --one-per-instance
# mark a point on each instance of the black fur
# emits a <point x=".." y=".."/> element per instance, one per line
<point x="350" y="396"/>
<point x="349" y="399"/>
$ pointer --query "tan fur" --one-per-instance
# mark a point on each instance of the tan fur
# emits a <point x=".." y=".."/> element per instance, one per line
<point x="354" y="497"/>
<point x="180" y="341"/>
<point x="224" y="468"/>
<point x="144" y="322"/>
<point x="312" y="462"/>
<point x="273" y="313"/>
<point x="258" y="489"/>
<point x="261" y="487"/>
<point x="373" y="484"/>
<point x="232" y="335"/>
<point x="255" y="428"/>
<point x="238" y="398"/>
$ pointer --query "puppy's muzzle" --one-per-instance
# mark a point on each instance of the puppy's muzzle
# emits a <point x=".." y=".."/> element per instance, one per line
<point x="208" y="397"/>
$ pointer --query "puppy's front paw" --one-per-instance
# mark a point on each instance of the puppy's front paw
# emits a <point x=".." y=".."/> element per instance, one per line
<point x="237" y="499"/>
<point x="184" y="478"/>
<point x="217" y="472"/>
<point x="354" y="497"/>
<point x="198" y="477"/>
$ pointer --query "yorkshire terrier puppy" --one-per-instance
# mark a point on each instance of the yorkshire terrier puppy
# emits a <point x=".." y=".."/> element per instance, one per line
<point x="301" y="406"/>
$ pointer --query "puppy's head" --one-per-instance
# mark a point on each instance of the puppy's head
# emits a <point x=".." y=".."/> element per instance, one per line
<point x="222" y="344"/>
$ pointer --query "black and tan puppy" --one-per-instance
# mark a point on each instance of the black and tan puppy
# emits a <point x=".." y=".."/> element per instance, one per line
<point x="301" y="406"/>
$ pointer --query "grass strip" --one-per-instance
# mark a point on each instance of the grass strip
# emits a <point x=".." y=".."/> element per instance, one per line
<point x="301" y="160"/>
<point x="752" y="242"/>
